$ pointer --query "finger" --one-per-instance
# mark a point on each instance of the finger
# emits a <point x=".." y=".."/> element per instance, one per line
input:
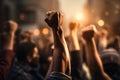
<point x="94" y="28"/>
<point x="49" y="13"/>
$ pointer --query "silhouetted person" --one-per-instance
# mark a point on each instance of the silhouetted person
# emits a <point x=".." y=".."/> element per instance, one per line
<point x="27" y="65"/>
<point x="111" y="62"/>
<point x="7" y="34"/>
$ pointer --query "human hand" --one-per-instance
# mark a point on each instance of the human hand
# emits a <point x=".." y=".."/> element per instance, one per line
<point x="74" y="25"/>
<point x="13" y="25"/>
<point x="54" y="19"/>
<point x="89" y="32"/>
<point x="9" y="27"/>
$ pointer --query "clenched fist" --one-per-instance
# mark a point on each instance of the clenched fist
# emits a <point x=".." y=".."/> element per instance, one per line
<point x="54" y="19"/>
<point x="74" y="25"/>
<point x="8" y="27"/>
<point x="89" y="32"/>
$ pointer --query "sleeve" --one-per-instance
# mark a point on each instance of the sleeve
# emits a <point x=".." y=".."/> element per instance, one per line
<point x="77" y="71"/>
<point x="59" y="76"/>
<point x="76" y="59"/>
<point x="6" y="58"/>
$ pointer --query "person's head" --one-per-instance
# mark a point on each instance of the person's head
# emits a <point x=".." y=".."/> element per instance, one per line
<point x="27" y="52"/>
<point x="111" y="63"/>
<point x="114" y="44"/>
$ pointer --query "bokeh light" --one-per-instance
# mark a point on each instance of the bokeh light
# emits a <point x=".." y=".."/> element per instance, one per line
<point x="45" y="31"/>
<point x="80" y="17"/>
<point x="36" y="32"/>
<point x="101" y="22"/>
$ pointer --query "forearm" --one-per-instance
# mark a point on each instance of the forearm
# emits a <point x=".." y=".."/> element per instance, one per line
<point x="61" y="58"/>
<point x="76" y="56"/>
<point x="94" y="61"/>
<point x="9" y="42"/>
<point x="7" y="55"/>
<point x="75" y="41"/>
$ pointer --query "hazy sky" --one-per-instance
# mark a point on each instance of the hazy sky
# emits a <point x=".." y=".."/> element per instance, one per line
<point x="71" y="7"/>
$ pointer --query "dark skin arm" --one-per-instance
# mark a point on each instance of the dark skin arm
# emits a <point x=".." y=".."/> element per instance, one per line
<point x="92" y="57"/>
<point x="61" y="58"/>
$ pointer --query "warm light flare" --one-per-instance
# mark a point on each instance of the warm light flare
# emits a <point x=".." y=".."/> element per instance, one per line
<point x="36" y="32"/>
<point x="45" y="31"/>
<point x="80" y="17"/>
<point x="101" y="23"/>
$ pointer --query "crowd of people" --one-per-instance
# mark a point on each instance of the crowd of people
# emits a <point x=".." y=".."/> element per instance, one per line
<point x="84" y="57"/>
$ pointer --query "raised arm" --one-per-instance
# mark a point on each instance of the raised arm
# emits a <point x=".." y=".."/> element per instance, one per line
<point x="61" y="59"/>
<point x="93" y="60"/>
<point x="6" y="51"/>
<point x="74" y="27"/>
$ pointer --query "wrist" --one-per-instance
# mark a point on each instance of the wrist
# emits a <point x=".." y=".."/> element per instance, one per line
<point x="57" y="28"/>
<point x="73" y="34"/>
<point x="89" y="41"/>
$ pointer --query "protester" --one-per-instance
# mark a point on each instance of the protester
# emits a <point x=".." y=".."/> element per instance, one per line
<point x="27" y="65"/>
<point x="92" y="57"/>
<point x="111" y="62"/>
<point x="77" y="65"/>
<point x="7" y="35"/>
<point x="81" y="63"/>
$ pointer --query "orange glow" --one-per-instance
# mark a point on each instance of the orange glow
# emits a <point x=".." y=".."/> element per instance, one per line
<point x="101" y="23"/>
<point x="45" y="31"/>
<point x="36" y="32"/>
<point x="80" y="17"/>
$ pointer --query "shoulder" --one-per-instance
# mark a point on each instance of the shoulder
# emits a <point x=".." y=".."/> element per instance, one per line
<point x="18" y="73"/>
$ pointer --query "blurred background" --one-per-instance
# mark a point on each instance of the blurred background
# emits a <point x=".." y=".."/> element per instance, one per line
<point x="30" y="14"/>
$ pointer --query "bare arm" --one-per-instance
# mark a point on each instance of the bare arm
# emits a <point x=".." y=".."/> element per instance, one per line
<point x="93" y="60"/>
<point x="76" y="56"/>
<point x="61" y="58"/>
<point x="74" y="26"/>
<point x="7" y="53"/>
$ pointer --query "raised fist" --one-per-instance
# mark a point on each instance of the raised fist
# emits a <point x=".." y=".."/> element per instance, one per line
<point x="13" y="26"/>
<point x="54" y="19"/>
<point x="74" y="25"/>
<point x="8" y="27"/>
<point x="89" y="32"/>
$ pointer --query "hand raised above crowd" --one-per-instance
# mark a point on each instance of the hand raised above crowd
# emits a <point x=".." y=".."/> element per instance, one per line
<point x="54" y="19"/>
<point x="74" y="25"/>
<point x="9" y="27"/>
<point x="89" y="32"/>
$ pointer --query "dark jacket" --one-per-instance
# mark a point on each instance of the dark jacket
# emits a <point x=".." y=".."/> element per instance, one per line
<point x="23" y="71"/>
<point x="77" y="70"/>
<point x="58" y="76"/>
